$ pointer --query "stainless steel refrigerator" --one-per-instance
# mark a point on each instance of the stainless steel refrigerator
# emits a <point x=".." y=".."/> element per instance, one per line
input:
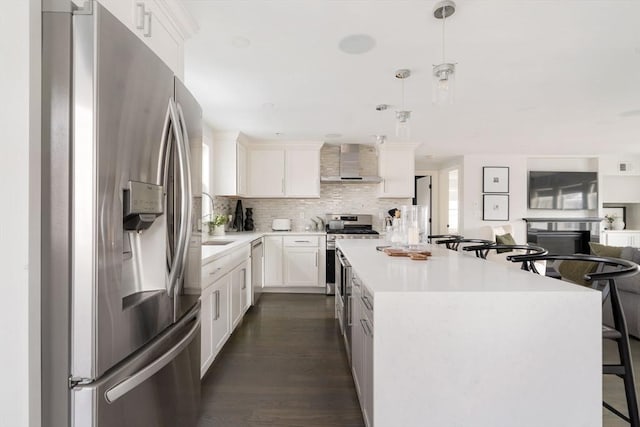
<point x="121" y="193"/>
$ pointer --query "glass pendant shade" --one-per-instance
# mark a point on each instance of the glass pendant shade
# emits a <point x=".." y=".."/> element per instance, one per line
<point x="402" y="124"/>
<point x="444" y="84"/>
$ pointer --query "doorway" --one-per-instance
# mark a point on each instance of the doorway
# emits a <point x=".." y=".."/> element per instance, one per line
<point x="423" y="197"/>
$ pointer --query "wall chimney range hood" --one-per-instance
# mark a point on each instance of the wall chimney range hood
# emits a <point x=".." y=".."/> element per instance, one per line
<point x="350" y="167"/>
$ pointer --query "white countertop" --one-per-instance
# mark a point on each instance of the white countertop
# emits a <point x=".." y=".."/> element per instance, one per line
<point x="212" y="252"/>
<point x="445" y="271"/>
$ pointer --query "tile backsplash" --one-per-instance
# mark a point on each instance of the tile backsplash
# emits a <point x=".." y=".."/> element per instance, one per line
<point x="334" y="197"/>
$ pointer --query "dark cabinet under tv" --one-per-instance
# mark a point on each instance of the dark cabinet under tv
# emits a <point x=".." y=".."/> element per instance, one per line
<point x="563" y="236"/>
<point x="561" y="242"/>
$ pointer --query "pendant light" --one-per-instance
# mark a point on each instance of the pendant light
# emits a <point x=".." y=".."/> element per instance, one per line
<point x="403" y="116"/>
<point x="444" y="73"/>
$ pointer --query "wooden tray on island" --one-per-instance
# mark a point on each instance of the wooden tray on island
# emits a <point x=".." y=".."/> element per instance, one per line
<point x="417" y="255"/>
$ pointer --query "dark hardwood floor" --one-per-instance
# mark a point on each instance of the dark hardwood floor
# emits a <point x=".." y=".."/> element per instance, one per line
<point x="284" y="366"/>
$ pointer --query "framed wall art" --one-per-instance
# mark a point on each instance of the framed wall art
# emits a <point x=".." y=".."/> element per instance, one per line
<point x="495" y="179"/>
<point x="495" y="207"/>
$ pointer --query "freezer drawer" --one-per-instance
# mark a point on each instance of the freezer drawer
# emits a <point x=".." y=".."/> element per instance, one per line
<point x="157" y="386"/>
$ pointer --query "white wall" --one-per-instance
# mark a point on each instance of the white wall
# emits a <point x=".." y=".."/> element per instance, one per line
<point x="472" y="224"/>
<point x="20" y="213"/>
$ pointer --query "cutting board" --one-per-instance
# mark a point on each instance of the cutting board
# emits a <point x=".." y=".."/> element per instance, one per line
<point x="414" y="255"/>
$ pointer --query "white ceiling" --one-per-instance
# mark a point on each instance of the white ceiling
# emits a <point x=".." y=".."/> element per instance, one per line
<point x="533" y="76"/>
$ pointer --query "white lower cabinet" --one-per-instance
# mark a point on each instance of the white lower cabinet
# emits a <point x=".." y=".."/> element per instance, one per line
<point x="362" y="347"/>
<point x="273" y="255"/>
<point x="215" y="320"/>
<point x="225" y="299"/>
<point x="301" y="266"/>
<point x="294" y="261"/>
<point x="239" y="292"/>
<point x="622" y="238"/>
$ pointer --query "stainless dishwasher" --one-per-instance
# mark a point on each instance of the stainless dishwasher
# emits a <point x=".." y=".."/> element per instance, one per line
<point x="343" y="286"/>
<point x="257" y="268"/>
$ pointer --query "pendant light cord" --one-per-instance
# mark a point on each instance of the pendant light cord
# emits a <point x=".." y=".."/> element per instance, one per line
<point x="444" y="18"/>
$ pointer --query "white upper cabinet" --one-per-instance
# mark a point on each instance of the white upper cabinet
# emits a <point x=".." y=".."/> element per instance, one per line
<point x="229" y="164"/>
<point x="277" y="170"/>
<point x="265" y="172"/>
<point x="302" y="172"/>
<point x="619" y="189"/>
<point x="162" y="25"/>
<point x="396" y="166"/>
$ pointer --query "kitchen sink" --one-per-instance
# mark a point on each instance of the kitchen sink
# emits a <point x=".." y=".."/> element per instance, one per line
<point x="217" y="242"/>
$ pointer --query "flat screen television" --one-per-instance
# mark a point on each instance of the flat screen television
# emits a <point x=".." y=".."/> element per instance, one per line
<point x="563" y="190"/>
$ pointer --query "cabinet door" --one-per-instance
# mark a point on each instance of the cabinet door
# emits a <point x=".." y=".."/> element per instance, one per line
<point x="302" y="173"/>
<point x="214" y="316"/>
<point x="221" y="318"/>
<point x="396" y="167"/>
<point x="301" y="266"/>
<point x="158" y="34"/>
<point x="265" y="173"/>
<point x="367" y="373"/>
<point x="153" y="25"/>
<point x="619" y="239"/>
<point x="238" y="293"/>
<point x="273" y="261"/>
<point x="206" y="338"/>
<point x="241" y="170"/>
<point x="357" y="341"/>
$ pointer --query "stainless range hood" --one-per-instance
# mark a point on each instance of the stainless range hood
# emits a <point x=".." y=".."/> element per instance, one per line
<point x="350" y="167"/>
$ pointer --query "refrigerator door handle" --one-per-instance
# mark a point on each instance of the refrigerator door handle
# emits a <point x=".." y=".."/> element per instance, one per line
<point x="177" y="264"/>
<point x="125" y="386"/>
<point x="184" y="158"/>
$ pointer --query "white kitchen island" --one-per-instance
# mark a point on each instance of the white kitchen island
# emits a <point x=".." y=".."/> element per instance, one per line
<point x="461" y="341"/>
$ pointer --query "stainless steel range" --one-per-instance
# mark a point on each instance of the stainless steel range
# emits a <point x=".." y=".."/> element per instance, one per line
<point x="344" y="226"/>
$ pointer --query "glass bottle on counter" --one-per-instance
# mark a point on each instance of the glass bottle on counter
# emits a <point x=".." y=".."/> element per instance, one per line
<point x="398" y="234"/>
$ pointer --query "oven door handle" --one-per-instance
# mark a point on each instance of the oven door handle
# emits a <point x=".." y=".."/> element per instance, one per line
<point x="343" y="260"/>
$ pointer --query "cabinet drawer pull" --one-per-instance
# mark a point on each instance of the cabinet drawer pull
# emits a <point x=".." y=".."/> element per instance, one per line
<point x="140" y="16"/>
<point x="365" y="327"/>
<point x="302" y="241"/>
<point x="366" y="303"/>
<point x="217" y="305"/>
<point x="244" y="278"/>
<point x="215" y="271"/>
<point x="147" y="24"/>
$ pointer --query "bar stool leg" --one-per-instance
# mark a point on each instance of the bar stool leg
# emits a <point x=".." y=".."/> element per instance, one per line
<point x="624" y="352"/>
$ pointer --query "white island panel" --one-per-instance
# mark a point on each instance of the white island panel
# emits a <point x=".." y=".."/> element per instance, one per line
<point x="460" y="341"/>
<point x="478" y="359"/>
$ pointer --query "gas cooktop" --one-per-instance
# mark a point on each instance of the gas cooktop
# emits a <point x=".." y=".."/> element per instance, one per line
<point x="351" y="231"/>
<point x="360" y="224"/>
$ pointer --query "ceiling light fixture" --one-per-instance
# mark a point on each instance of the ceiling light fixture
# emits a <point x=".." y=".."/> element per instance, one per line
<point x="380" y="139"/>
<point x="443" y="73"/>
<point x="402" y="116"/>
